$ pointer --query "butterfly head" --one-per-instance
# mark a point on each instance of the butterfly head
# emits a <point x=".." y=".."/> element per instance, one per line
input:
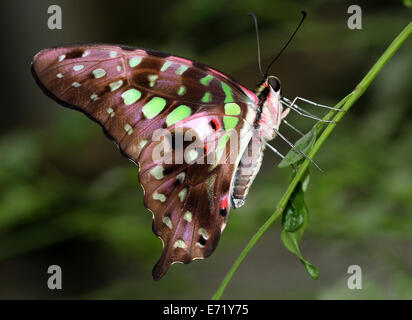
<point x="269" y="85"/>
<point x="273" y="83"/>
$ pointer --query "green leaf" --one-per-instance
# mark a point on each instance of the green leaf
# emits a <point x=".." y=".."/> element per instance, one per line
<point x="407" y="3"/>
<point x="294" y="222"/>
<point x="311" y="269"/>
<point x="291" y="241"/>
<point x="304" y="144"/>
<point x="295" y="211"/>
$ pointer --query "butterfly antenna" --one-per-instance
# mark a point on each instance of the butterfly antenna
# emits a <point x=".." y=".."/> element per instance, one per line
<point x="257" y="40"/>
<point x="287" y="43"/>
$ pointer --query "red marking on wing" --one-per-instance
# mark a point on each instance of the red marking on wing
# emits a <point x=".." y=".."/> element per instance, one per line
<point x="224" y="203"/>
<point x="216" y="124"/>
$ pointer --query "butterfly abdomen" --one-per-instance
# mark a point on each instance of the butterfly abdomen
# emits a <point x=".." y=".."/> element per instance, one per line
<point x="247" y="170"/>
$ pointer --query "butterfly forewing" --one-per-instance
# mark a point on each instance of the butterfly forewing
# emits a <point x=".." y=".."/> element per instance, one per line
<point x="133" y="92"/>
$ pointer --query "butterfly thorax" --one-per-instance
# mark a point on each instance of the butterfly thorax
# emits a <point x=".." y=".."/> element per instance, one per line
<point x="270" y="111"/>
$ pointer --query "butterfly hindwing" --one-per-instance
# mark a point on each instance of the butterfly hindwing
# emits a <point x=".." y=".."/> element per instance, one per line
<point x="132" y="93"/>
<point x="189" y="218"/>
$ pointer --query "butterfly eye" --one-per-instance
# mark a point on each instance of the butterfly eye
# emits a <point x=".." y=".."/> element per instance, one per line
<point x="274" y="83"/>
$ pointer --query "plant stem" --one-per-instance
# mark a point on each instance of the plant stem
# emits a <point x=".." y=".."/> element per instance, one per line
<point x="347" y="102"/>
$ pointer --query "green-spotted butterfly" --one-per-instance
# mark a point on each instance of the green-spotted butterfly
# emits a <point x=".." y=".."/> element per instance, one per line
<point x="133" y="92"/>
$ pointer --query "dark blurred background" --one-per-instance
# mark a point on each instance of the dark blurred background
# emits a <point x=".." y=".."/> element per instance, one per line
<point x="68" y="197"/>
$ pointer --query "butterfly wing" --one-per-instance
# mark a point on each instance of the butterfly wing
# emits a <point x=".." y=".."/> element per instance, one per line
<point x="132" y="93"/>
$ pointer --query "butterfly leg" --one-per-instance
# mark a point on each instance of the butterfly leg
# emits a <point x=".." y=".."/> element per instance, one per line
<point x="285" y="113"/>
<point x="293" y="127"/>
<point x="275" y="150"/>
<point x="297" y="150"/>
<point x="302" y="112"/>
<point x="312" y="103"/>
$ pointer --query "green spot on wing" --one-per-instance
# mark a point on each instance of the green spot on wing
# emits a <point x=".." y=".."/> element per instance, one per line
<point x="159" y="196"/>
<point x="230" y="122"/>
<point x="207" y="97"/>
<point x="154" y="107"/>
<point x="181" y="69"/>
<point x="165" y="66"/>
<point x="153" y="77"/>
<point x="178" y="114"/>
<point x="179" y="244"/>
<point x="133" y="62"/>
<point x="131" y="96"/>
<point x="222" y="142"/>
<point x="98" y="73"/>
<point x="188" y="216"/>
<point x="206" y="80"/>
<point x="232" y="109"/>
<point x="115" y="85"/>
<point x="182" y="90"/>
<point x="167" y="221"/>
<point x="228" y="92"/>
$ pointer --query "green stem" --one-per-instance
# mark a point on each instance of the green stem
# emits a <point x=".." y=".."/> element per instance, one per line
<point x="347" y="102"/>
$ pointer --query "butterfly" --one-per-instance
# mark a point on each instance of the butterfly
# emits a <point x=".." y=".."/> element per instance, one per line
<point x="134" y="92"/>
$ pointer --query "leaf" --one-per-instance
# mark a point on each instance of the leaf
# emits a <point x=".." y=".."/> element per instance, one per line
<point x="291" y="242"/>
<point x="312" y="270"/>
<point x="304" y="144"/>
<point x="293" y="217"/>
<point x="294" y="222"/>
